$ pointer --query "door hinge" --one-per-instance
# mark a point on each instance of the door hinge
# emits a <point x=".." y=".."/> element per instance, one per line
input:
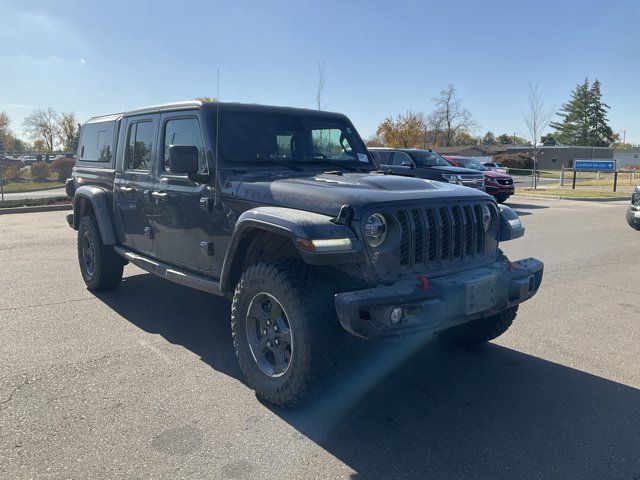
<point x="205" y="204"/>
<point x="148" y="232"/>
<point x="206" y="248"/>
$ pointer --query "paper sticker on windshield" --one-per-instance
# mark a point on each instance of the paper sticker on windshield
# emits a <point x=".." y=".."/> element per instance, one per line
<point x="363" y="158"/>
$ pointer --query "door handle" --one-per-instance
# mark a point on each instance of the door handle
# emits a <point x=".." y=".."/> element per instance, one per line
<point x="127" y="189"/>
<point x="160" y="196"/>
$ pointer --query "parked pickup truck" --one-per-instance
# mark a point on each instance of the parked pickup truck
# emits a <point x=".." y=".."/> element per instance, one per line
<point x="282" y="211"/>
<point x="425" y="164"/>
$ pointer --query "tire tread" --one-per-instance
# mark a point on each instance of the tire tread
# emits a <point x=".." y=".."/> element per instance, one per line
<point x="311" y="294"/>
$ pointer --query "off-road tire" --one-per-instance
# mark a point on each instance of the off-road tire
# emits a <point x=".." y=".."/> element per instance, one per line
<point x="502" y="198"/>
<point x="631" y="220"/>
<point x="307" y="297"/>
<point x="482" y="330"/>
<point x="107" y="265"/>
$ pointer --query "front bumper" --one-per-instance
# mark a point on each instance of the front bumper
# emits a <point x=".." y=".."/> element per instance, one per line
<point x="447" y="301"/>
<point x="500" y="189"/>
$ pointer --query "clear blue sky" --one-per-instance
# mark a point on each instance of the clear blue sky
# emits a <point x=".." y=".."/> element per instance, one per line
<point x="381" y="57"/>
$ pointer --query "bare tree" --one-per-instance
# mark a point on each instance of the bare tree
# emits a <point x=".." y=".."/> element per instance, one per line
<point x="322" y="83"/>
<point x="537" y="119"/>
<point x="43" y="125"/>
<point x="68" y="131"/>
<point x="451" y="115"/>
<point x="434" y="125"/>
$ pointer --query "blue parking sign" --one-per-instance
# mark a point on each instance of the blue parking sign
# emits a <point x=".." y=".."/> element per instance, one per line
<point x="595" y="165"/>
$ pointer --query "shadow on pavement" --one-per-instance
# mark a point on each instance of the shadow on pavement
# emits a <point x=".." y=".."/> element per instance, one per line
<point x="183" y="316"/>
<point x="525" y="206"/>
<point x="422" y="409"/>
<point x="522" y="209"/>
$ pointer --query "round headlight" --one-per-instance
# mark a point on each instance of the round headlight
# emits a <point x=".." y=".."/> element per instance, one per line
<point x="486" y="217"/>
<point x="375" y="230"/>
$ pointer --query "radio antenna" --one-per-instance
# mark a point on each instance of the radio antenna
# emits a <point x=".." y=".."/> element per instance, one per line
<point x="215" y="162"/>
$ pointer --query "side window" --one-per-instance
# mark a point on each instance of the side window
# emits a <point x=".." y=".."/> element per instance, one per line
<point x="384" y="157"/>
<point x="285" y="144"/>
<point x="184" y="131"/>
<point x="139" y="146"/>
<point x="96" y="142"/>
<point x="400" y="157"/>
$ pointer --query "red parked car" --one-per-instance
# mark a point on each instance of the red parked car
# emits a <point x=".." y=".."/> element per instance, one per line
<point x="500" y="185"/>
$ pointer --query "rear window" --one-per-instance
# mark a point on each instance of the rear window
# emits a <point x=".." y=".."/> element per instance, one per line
<point x="96" y="144"/>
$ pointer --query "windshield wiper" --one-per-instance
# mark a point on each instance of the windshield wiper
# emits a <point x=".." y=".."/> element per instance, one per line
<point x="277" y="162"/>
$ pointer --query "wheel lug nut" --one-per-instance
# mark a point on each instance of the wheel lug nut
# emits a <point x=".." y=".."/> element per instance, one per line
<point x="268" y="323"/>
<point x="269" y="344"/>
<point x="276" y="341"/>
<point x="264" y="332"/>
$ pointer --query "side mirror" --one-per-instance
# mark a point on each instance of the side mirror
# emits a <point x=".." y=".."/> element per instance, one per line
<point x="183" y="159"/>
<point x="408" y="163"/>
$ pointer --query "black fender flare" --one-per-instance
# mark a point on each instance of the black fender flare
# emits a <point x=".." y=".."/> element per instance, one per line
<point x="510" y="225"/>
<point x="295" y="225"/>
<point x="101" y="203"/>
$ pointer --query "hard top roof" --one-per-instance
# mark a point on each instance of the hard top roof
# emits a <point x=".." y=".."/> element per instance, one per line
<point x="209" y="106"/>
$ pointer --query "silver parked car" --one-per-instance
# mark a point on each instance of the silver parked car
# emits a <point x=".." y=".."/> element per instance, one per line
<point x="496" y="167"/>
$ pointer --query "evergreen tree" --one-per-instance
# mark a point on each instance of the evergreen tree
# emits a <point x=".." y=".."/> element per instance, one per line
<point x="548" y="140"/>
<point x="504" y="139"/>
<point x="573" y="129"/>
<point x="584" y="118"/>
<point x="600" y="133"/>
<point x="489" y="138"/>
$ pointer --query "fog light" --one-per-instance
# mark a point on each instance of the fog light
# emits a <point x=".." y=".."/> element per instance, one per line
<point x="396" y="315"/>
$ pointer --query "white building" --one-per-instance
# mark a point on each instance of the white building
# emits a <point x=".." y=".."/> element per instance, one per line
<point x="627" y="158"/>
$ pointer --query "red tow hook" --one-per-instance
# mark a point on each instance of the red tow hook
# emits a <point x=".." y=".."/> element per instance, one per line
<point x="424" y="282"/>
<point x="510" y="265"/>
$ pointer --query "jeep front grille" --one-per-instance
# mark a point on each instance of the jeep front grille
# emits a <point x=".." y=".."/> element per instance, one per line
<point x="440" y="236"/>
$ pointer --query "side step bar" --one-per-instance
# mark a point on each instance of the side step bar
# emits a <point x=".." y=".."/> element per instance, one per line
<point x="170" y="273"/>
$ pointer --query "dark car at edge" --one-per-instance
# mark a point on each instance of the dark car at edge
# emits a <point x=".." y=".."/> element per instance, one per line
<point x="427" y="164"/>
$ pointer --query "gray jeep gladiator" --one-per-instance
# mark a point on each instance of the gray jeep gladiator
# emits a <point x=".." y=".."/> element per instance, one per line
<point x="282" y="211"/>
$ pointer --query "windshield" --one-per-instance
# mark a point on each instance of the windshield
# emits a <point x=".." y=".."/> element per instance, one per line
<point x="471" y="163"/>
<point x="428" y="159"/>
<point x="288" y="137"/>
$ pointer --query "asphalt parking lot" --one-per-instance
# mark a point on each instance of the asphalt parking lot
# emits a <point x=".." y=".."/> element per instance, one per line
<point x="142" y="382"/>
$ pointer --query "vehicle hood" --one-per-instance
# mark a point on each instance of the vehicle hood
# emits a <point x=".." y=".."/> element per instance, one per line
<point x="494" y="174"/>
<point x="326" y="193"/>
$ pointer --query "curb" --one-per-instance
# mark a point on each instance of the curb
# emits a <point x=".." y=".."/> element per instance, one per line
<point x="585" y="199"/>
<point x="36" y="208"/>
<point x="29" y="190"/>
